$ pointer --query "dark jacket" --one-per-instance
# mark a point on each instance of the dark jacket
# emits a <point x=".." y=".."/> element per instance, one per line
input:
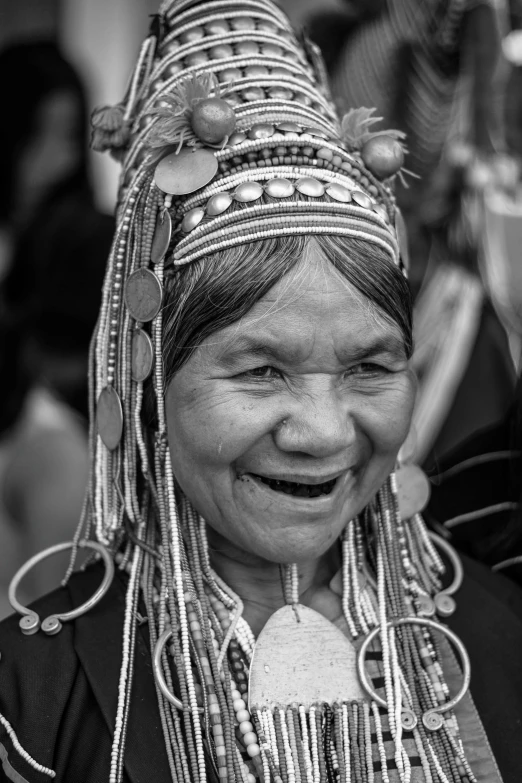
<point x="59" y="693"/>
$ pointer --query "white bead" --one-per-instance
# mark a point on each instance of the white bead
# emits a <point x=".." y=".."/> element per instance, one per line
<point x="250" y="739"/>
<point x="239" y="705"/>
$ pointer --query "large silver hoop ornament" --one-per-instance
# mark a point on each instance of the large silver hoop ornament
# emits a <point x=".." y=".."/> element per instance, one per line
<point x="30" y="622"/>
<point x="445" y="604"/>
<point x="432" y="718"/>
<point x="158" y="674"/>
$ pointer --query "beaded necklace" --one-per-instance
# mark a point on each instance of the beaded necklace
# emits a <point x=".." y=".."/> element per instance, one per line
<point x="397" y="564"/>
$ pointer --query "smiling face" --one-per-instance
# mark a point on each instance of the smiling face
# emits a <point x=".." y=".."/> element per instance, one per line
<point x="283" y="426"/>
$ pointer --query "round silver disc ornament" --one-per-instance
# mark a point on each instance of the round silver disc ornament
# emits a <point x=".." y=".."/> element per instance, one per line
<point x="317" y="132"/>
<point x="309" y="186"/>
<point x="381" y="210"/>
<point x="413" y="490"/>
<point x="218" y="203"/>
<point x="248" y="191"/>
<point x="288" y="127"/>
<point x="236" y="138"/>
<point x="339" y="193"/>
<point x="143" y="295"/>
<point x="162" y="236"/>
<point x="142" y="356"/>
<point x="109" y="417"/>
<point x="362" y="199"/>
<point x="402" y="238"/>
<point x="262" y="130"/>
<point x="280" y="188"/>
<point x="192" y="219"/>
<point x="179" y="174"/>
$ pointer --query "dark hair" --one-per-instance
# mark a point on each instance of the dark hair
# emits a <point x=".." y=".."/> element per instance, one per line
<point x="214" y="292"/>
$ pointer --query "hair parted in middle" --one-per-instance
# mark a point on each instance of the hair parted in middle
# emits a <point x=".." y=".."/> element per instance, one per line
<point x="218" y="290"/>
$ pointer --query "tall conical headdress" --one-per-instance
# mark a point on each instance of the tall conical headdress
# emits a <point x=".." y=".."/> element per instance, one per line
<point x="275" y="121"/>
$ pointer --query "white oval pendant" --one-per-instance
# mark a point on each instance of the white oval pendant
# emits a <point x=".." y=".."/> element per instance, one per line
<point x="301" y="657"/>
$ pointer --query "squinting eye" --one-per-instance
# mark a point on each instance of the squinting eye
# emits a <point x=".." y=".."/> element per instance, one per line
<point x="367" y="368"/>
<point x="262" y="373"/>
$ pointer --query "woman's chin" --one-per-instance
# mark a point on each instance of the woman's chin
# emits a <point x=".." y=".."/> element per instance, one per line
<point x="292" y="545"/>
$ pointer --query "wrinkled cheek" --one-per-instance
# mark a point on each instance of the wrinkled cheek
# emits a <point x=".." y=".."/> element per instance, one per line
<point x="209" y="446"/>
<point x="388" y="424"/>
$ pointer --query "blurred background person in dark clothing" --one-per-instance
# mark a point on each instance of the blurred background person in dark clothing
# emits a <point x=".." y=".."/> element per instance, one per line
<point x="53" y="254"/>
<point x="55" y="240"/>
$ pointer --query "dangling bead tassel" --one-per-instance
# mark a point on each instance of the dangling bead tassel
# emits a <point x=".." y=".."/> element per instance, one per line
<point x="292" y="584"/>
<point x="186" y="673"/>
<point x="347" y="587"/>
<point x="126" y="671"/>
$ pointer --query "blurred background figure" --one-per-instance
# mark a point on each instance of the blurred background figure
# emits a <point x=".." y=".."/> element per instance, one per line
<point x="57" y="61"/>
<point x="56" y="242"/>
<point x="54" y="249"/>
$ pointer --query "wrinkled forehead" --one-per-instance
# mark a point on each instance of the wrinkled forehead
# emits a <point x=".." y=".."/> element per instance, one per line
<point x="313" y="307"/>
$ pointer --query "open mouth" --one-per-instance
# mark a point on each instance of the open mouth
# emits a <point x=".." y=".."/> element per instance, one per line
<point x="298" y="490"/>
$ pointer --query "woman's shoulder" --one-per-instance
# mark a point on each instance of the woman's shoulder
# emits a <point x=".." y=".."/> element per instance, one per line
<point x="488" y="620"/>
<point x="59" y="693"/>
<point x="45" y="696"/>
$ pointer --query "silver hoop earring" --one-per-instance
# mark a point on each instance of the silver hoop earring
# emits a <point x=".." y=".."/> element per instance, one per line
<point x="30" y="622"/>
<point x="432" y="718"/>
<point x="158" y="674"/>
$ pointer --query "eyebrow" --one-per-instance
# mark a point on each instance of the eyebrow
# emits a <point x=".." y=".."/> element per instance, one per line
<point x="257" y="348"/>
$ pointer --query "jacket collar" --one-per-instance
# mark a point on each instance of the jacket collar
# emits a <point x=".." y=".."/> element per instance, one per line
<point x="98" y="642"/>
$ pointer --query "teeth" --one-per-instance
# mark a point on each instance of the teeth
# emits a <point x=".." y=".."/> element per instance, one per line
<point x="299" y="490"/>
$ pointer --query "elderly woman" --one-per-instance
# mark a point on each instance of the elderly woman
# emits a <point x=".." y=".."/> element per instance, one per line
<point x="278" y="611"/>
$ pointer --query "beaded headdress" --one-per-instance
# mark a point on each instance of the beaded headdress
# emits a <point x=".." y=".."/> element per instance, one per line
<point x="227" y="135"/>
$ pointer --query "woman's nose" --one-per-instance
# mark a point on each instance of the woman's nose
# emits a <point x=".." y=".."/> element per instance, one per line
<point x="319" y="426"/>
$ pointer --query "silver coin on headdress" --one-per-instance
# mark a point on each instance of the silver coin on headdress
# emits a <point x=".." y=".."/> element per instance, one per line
<point x="143" y="295"/>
